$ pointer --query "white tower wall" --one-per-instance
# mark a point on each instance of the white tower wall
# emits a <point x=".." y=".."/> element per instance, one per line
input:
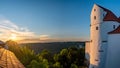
<point x="95" y="37"/>
<point x="113" y="56"/>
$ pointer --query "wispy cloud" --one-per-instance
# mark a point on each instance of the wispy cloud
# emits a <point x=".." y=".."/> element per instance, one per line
<point x="44" y="37"/>
<point x="7" y="28"/>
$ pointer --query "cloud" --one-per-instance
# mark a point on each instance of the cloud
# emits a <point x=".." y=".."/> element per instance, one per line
<point x="7" y="28"/>
<point x="44" y="37"/>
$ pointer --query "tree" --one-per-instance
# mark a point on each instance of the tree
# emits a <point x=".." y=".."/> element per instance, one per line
<point x="74" y="66"/>
<point x="45" y="54"/>
<point x="34" y="64"/>
<point x="57" y="65"/>
<point x="71" y="57"/>
<point x="62" y="58"/>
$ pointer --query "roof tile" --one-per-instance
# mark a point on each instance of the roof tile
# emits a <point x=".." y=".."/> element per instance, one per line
<point x="116" y="31"/>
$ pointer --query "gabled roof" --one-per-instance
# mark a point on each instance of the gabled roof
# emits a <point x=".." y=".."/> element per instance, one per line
<point x="110" y="16"/>
<point x="116" y="31"/>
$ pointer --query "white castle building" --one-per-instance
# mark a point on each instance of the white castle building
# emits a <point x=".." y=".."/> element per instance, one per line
<point x="103" y="49"/>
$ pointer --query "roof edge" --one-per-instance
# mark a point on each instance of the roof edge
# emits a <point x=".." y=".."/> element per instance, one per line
<point x="116" y="31"/>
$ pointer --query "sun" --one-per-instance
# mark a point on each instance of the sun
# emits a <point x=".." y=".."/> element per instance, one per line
<point x="13" y="37"/>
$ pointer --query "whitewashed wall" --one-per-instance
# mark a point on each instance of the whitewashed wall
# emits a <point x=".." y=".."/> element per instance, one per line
<point x="106" y="27"/>
<point x="113" y="51"/>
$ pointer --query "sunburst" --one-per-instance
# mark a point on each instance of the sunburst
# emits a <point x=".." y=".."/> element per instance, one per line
<point x="13" y="37"/>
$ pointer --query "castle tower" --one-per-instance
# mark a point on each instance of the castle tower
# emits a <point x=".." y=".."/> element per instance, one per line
<point x="102" y="22"/>
<point x="95" y="37"/>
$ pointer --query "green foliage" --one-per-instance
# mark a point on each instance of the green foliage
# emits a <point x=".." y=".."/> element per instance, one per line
<point x="64" y="52"/>
<point x="45" y="54"/>
<point x="56" y="57"/>
<point x="57" y="65"/>
<point x="74" y="66"/>
<point x="71" y="57"/>
<point x="24" y="54"/>
<point x="36" y="64"/>
<point x="27" y="55"/>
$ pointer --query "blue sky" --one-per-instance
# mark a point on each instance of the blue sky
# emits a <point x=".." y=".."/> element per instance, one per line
<point x="60" y="20"/>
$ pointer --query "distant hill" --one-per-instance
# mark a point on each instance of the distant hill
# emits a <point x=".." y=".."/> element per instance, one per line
<point x="53" y="47"/>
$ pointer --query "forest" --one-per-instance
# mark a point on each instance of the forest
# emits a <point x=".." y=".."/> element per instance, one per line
<point x="71" y="57"/>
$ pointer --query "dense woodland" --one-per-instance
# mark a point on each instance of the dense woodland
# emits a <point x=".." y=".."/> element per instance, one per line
<point x="71" y="57"/>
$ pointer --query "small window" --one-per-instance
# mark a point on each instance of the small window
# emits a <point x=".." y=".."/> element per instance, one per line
<point x="113" y="26"/>
<point x="103" y="15"/>
<point x="96" y="60"/>
<point x="104" y="41"/>
<point x="95" y="17"/>
<point x="96" y="28"/>
<point x="101" y="51"/>
<point x="94" y="9"/>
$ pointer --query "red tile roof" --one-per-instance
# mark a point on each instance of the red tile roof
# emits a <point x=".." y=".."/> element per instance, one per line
<point x="116" y="31"/>
<point x="110" y="16"/>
